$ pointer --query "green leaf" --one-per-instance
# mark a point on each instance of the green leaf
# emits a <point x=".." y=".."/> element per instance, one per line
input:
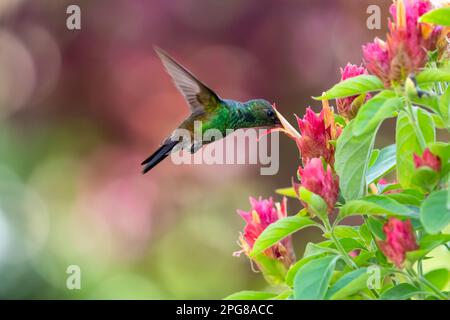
<point x="434" y="214"/>
<point x="349" y="244"/>
<point x="375" y="205"/>
<point x="428" y="101"/>
<point x="407" y="143"/>
<point x="425" y="178"/>
<point x="385" y="188"/>
<point x="384" y="163"/>
<point x="376" y="227"/>
<point x="344" y="232"/>
<point x="251" y="295"/>
<point x="288" y="192"/>
<point x="312" y="280"/>
<point x="402" y="291"/>
<point x="315" y="203"/>
<point x="439" y="16"/>
<point x="353" y="86"/>
<point x="433" y="75"/>
<point x="426" y="245"/>
<point x="439" y="278"/>
<point x="442" y="150"/>
<point x="438" y="122"/>
<point x="279" y="230"/>
<point x="363" y="257"/>
<point x="365" y="234"/>
<point x="448" y="194"/>
<point x="352" y="160"/>
<point x="431" y="241"/>
<point x="273" y="270"/>
<point x="300" y="263"/>
<point x="349" y="284"/>
<point x="444" y="106"/>
<point x="384" y="105"/>
<point x="313" y="249"/>
<point x="373" y="156"/>
<point x="409" y="197"/>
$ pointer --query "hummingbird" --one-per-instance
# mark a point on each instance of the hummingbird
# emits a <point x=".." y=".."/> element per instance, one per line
<point x="210" y="110"/>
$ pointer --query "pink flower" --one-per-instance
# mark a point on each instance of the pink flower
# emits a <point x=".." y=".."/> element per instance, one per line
<point x="348" y="107"/>
<point x="264" y="212"/>
<point x="407" y="43"/>
<point x="316" y="136"/>
<point x="323" y="183"/>
<point x="376" y="59"/>
<point x="354" y="253"/>
<point x="427" y="160"/>
<point x="400" y="238"/>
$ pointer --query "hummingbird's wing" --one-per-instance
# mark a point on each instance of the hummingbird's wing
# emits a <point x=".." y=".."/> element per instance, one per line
<point x="198" y="96"/>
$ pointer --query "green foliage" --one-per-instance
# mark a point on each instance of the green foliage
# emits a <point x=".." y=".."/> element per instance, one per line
<point x="384" y="105"/>
<point x="408" y="143"/>
<point x="375" y="205"/>
<point x="402" y="291"/>
<point x="444" y="106"/>
<point x="288" y="192"/>
<point x="278" y="231"/>
<point x="343" y="232"/>
<point x="312" y="279"/>
<point x="349" y="284"/>
<point x="430" y="102"/>
<point x="407" y="197"/>
<point x="439" y="16"/>
<point x="425" y="179"/>
<point x="352" y="159"/>
<point x="375" y="225"/>
<point x="300" y="263"/>
<point x="433" y="75"/>
<point x="401" y="223"/>
<point x="426" y="245"/>
<point x="316" y="205"/>
<point x="354" y="86"/>
<point x="384" y="163"/>
<point x="439" y="278"/>
<point x="434" y="214"/>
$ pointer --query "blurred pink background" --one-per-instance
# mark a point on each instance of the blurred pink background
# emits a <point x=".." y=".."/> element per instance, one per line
<point x="80" y="109"/>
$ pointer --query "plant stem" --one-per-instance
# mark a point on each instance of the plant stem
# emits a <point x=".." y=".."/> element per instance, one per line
<point x="420" y="268"/>
<point x="433" y="288"/>
<point x="423" y="281"/>
<point x="414" y="123"/>
<point x="339" y="246"/>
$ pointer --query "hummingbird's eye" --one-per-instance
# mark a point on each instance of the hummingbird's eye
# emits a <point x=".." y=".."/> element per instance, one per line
<point x="270" y="113"/>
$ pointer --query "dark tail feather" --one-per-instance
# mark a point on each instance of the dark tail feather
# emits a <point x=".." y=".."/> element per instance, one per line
<point x="158" y="156"/>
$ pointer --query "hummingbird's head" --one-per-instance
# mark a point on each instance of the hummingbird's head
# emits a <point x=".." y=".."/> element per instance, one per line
<point x="264" y="113"/>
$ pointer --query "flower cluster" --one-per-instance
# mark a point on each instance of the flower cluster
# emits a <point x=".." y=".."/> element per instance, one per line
<point x="316" y="137"/>
<point x="427" y="160"/>
<point x="419" y="195"/>
<point x="408" y="42"/>
<point x="400" y="239"/>
<point x="320" y="181"/>
<point x="318" y="132"/>
<point x="349" y="106"/>
<point x="264" y="212"/>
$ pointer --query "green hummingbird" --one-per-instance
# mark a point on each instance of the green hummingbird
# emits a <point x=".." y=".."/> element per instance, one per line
<point x="208" y="109"/>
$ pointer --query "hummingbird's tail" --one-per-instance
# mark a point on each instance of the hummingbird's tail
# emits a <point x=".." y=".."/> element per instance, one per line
<point x="158" y="156"/>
